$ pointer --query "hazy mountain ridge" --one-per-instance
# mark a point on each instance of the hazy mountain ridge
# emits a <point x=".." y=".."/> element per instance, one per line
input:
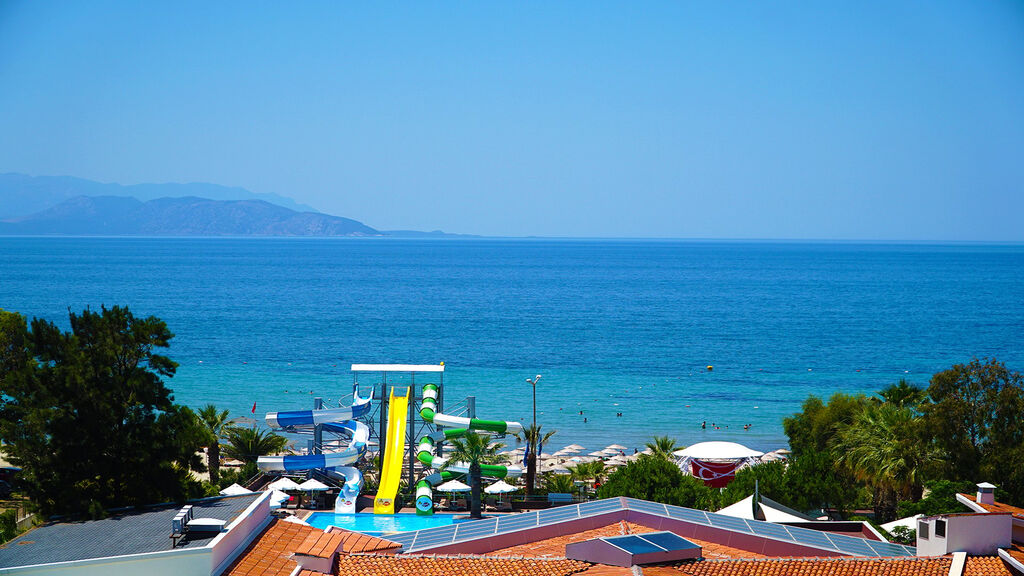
<point x="188" y="216"/>
<point x="23" y="195"/>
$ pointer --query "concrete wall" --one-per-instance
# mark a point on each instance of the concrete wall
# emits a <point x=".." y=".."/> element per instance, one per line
<point x="249" y="524"/>
<point x="975" y="534"/>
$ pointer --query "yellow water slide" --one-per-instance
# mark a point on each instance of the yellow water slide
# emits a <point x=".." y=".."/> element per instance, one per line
<point x="394" y="447"/>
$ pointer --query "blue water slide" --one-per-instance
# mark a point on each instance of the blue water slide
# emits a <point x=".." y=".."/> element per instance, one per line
<point x="337" y="421"/>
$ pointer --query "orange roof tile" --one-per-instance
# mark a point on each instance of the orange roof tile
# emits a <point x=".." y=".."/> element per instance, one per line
<point x="270" y="553"/>
<point x="380" y="565"/>
<point x="355" y="543"/>
<point x="910" y="566"/>
<point x="555" y="547"/>
<point x="322" y="545"/>
<point x="997" y="506"/>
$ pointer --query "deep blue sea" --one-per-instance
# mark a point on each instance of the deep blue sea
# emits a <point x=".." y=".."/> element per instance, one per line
<point x="613" y="326"/>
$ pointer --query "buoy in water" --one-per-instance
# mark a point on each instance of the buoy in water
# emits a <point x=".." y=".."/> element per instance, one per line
<point x="710" y="367"/>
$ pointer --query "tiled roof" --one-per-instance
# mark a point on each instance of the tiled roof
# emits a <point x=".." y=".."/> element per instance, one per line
<point x="379" y="565"/>
<point x="555" y="547"/>
<point x="356" y="543"/>
<point x="322" y="545"/>
<point x="127" y="532"/>
<point x="905" y="566"/>
<point x="995" y="507"/>
<point x="270" y="553"/>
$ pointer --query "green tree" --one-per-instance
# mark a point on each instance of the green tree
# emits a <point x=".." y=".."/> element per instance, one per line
<point x="473" y="449"/>
<point x="770" y="478"/>
<point x="215" y="423"/>
<point x="812" y="429"/>
<point x="941" y="499"/>
<point x="534" y="438"/>
<point x="559" y="483"/>
<point x="248" y="444"/>
<point x="883" y="447"/>
<point x="663" y="447"/>
<point x="658" y="480"/>
<point x="903" y="394"/>
<point x="87" y="416"/>
<point x="594" y="471"/>
<point x="974" y="414"/>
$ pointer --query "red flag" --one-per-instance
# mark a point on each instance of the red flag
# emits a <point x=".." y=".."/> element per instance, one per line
<point x="253" y="407"/>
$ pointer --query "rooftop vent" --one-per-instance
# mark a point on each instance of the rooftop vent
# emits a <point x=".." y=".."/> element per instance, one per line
<point x="986" y="493"/>
<point x="634" y="549"/>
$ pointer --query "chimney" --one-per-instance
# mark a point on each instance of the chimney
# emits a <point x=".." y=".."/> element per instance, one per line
<point x="986" y="494"/>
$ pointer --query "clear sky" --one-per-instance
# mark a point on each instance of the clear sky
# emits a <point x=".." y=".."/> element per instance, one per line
<point x="846" y="120"/>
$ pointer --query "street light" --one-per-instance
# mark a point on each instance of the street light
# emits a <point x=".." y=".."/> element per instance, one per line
<point x="533" y="383"/>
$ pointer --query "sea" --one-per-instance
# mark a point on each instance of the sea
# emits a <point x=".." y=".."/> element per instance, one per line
<point x="696" y="340"/>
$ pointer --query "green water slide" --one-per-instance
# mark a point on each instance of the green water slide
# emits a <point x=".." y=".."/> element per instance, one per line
<point x="455" y="427"/>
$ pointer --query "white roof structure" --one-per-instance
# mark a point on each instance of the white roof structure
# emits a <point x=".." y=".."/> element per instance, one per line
<point x="718" y="451"/>
<point x="908" y="522"/>
<point x="398" y="367"/>
<point x="234" y="490"/>
<point x="283" y="484"/>
<point x="771" y="510"/>
<point x="314" y="484"/>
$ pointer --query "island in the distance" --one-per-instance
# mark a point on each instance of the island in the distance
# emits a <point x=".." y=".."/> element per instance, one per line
<point x="64" y="206"/>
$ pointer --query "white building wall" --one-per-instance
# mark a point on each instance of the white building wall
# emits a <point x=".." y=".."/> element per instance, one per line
<point x="975" y="534"/>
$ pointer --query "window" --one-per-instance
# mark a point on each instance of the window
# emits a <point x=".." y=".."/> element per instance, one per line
<point x="940" y="528"/>
<point x="922" y="530"/>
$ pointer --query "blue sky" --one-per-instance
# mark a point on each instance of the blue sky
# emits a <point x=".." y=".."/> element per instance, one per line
<point x="845" y="120"/>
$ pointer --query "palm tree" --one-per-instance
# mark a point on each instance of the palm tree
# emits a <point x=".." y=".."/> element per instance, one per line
<point x="248" y="444"/>
<point x="883" y="447"/>
<point x="903" y="394"/>
<point x="473" y="449"/>
<point x="588" y="471"/>
<point x="534" y="439"/>
<point x="215" y="423"/>
<point x="560" y="483"/>
<point x="663" y="447"/>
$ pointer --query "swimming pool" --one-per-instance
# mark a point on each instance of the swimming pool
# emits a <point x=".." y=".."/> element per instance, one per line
<point x="377" y="524"/>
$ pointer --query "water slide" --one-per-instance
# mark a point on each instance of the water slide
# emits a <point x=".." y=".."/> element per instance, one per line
<point x="457" y="428"/>
<point x="340" y="422"/>
<point x="394" y="448"/>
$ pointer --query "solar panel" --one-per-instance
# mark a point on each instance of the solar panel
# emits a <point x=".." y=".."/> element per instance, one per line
<point x="729" y="523"/>
<point x="851" y="545"/>
<point x="810" y="537"/>
<point x="599" y="506"/>
<point x="557" y="514"/>
<point x="669" y="540"/>
<point x="770" y="530"/>
<point x="643" y="506"/>
<point x="475" y="529"/>
<point x="634" y="544"/>
<point x="516" y="522"/>
<point x="890" y="549"/>
<point x="688" y="515"/>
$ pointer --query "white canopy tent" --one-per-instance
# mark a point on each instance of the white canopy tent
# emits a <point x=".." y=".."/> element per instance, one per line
<point x="718" y="451"/>
<point x="234" y="490"/>
<point x="283" y="484"/>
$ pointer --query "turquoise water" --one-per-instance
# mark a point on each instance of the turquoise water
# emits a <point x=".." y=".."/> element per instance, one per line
<point x="613" y="326"/>
<point x="378" y="524"/>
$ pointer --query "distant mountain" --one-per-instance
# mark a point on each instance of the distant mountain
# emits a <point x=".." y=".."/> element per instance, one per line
<point x="189" y="216"/>
<point x="22" y="195"/>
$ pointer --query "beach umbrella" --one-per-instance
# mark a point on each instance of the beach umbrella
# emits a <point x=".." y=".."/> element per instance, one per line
<point x="610" y="450"/>
<point x="283" y="483"/>
<point x="718" y="450"/>
<point x="576" y="447"/>
<point x="314" y="485"/>
<point x="598" y="454"/>
<point x="277" y="498"/>
<point x="571" y="449"/>
<point x="561" y="470"/>
<point x="234" y="490"/>
<point x="545" y="455"/>
<point x="453" y="486"/>
<point x="616" y="447"/>
<point x="616" y="461"/>
<point x="500" y="487"/>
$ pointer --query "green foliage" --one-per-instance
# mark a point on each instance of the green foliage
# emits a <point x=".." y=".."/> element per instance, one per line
<point x="812" y="429"/>
<point x="663" y="447"/>
<point x="884" y="447"/>
<point x="559" y="483"/>
<point x="87" y="416"/>
<point x="534" y="438"/>
<point x="248" y="444"/>
<point x="215" y="423"/>
<point x="474" y="449"/>
<point x="770" y="478"/>
<point x="903" y="535"/>
<point x="814" y="482"/>
<point x="238" y="476"/>
<point x="974" y="416"/>
<point x="941" y="499"/>
<point x="658" y="480"/>
<point x="903" y="394"/>
<point x="594" y="471"/>
<point x="8" y="525"/>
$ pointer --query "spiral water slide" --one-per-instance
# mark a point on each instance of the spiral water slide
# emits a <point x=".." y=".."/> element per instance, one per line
<point x="457" y="427"/>
<point x="338" y="421"/>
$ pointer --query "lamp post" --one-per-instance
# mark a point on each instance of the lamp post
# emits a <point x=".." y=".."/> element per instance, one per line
<point x="531" y="464"/>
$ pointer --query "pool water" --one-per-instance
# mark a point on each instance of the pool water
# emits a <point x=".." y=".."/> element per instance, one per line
<point x="378" y="524"/>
